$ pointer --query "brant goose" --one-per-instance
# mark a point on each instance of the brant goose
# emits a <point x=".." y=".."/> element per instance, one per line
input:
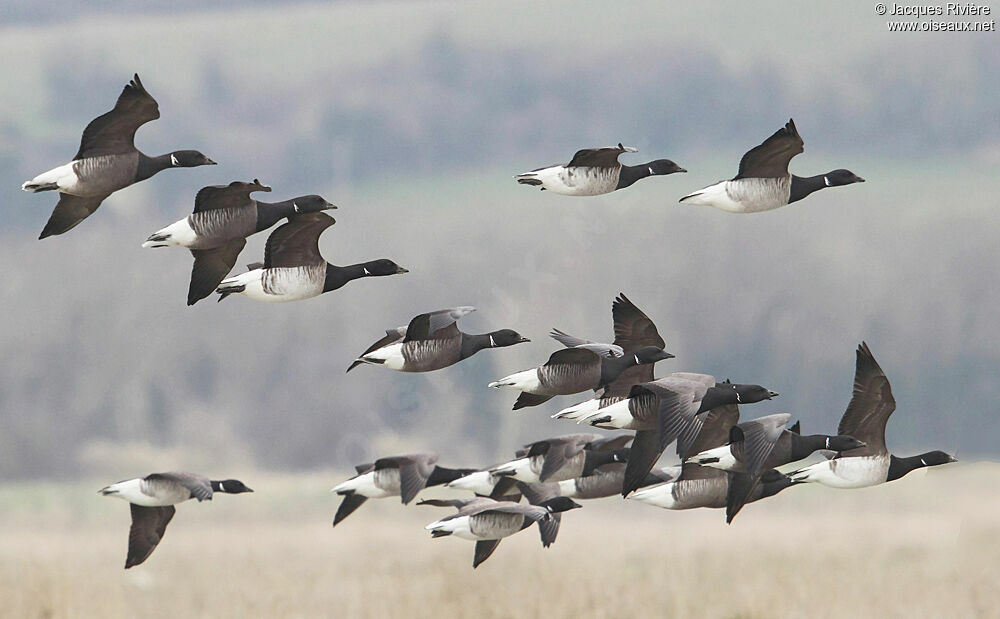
<point x="432" y="341"/>
<point x="668" y="409"/>
<point x="633" y="330"/>
<point x="564" y="457"/>
<point x="595" y="171"/>
<point x="107" y="161"/>
<point x="224" y="216"/>
<point x="572" y="370"/>
<point x="402" y="476"/>
<point x="765" y="443"/>
<point x="293" y="268"/>
<point x="764" y="183"/>
<point x="700" y="486"/>
<point x="152" y="499"/>
<point x="606" y="480"/>
<point x="865" y="418"/>
<point x="486" y="521"/>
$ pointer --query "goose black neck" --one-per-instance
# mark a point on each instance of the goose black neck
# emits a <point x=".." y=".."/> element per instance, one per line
<point x="718" y="396"/>
<point x="217" y="486"/>
<point x="338" y="276"/>
<point x="593" y="459"/>
<point x="149" y="166"/>
<point x="442" y="475"/>
<point x="803" y="186"/>
<point x="802" y="446"/>
<point x="473" y="343"/>
<point x="611" y="369"/>
<point x="630" y="174"/>
<point x="270" y="213"/>
<point x="899" y="467"/>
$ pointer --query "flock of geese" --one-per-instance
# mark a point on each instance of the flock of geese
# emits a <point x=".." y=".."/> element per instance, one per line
<point x="724" y="463"/>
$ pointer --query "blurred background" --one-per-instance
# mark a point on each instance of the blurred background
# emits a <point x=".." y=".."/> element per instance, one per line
<point x="412" y="117"/>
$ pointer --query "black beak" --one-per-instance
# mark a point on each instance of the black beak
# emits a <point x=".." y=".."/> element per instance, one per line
<point x="858" y="179"/>
<point x="772" y="394"/>
<point x="330" y="206"/>
<point x="523" y="339"/>
<point x="680" y="169"/>
<point x="402" y="270"/>
<point x="210" y="162"/>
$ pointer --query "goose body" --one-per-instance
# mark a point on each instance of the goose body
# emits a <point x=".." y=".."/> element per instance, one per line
<point x="487" y="521"/>
<point x="107" y="161"/>
<point x="764" y="182"/>
<point x="432" y="341"/>
<point x="403" y="476"/>
<point x="293" y="267"/>
<point x="152" y="499"/>
<point x="564" y="457"/>
<point x="593" y="172"/>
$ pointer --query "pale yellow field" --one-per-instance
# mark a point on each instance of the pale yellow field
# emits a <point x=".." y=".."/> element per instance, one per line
<point x="924" y="546"/>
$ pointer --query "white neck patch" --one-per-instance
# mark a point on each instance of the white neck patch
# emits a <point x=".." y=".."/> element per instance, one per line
<point x="651" y="170"/>
<point x="637" y="362"/>
<point x="923" y="462"/>
<point x="295" y="207"/>
<point x="173" y="160"/>
<point x="826" y="180"/>
<point x="738" y="397"/>
<point x="492" y="343"/>
<point x="366" y="270"/>
<point x="221" y="487"/>
<point x="828" y="442"/>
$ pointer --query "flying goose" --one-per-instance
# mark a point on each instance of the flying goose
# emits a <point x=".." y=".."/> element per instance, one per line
<point x="152" y="499"/>
<point x="224" y="216"/>
<point x="432" y="341"/>
<point x="764" y="183"/>
<point x="669" y="409"/>
<point x="486" y="521"/>
<point x="605" y="480"/>
<point x="633" y="330"/>
<point x="564" y="457"/>
<point x="765" y="443"/>
<point x="402" y="476"/>
<point x="293" y="268"/>
<point x="107" y="161"/>
<point x="595" y="171"/>
<point x="865" y="419"/>
<point x="700" y="486"/>
<point x="572" y="370"/>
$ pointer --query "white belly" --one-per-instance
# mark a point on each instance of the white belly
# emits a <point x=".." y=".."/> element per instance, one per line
<point x="521" y="470"/>
<point x="621" y="416"/>
<point x="526" y="381"/>
<point x="579" y="411"/>
<point x="661" y="495"/>
<point x="131" y="491"/>
<point x="363" y="485"/>
<point x="724" y="455"/>
<point x="480" y="482"/>
<point x="391" y="356"/>
<point x="63" y="176"/>
<point x="578" y="181"/>
<point x="716" y="196"/>
<point x="459" y="527"/>
<point x="179" y="234"/>
<point x="846" y="473"/>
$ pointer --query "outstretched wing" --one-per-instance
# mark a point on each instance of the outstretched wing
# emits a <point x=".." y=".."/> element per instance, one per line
<point x="759" y="438"/>
<point x="113" y="133"/>
<point x="870" y="406"/>
<point x="233" y="195"/>
<point x="70" y="211"/>
<point x="148" y="526"/>
<point x="296" y="243"/>
<point x="425" y="326"/>
<point x="210" y="267"/>
<point x="770" y="159"/>
<point x="599" y="157"/>
<point x="633" y="330"/>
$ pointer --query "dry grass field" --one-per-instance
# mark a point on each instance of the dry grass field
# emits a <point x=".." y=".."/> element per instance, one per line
<point x="924" y="546"/>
